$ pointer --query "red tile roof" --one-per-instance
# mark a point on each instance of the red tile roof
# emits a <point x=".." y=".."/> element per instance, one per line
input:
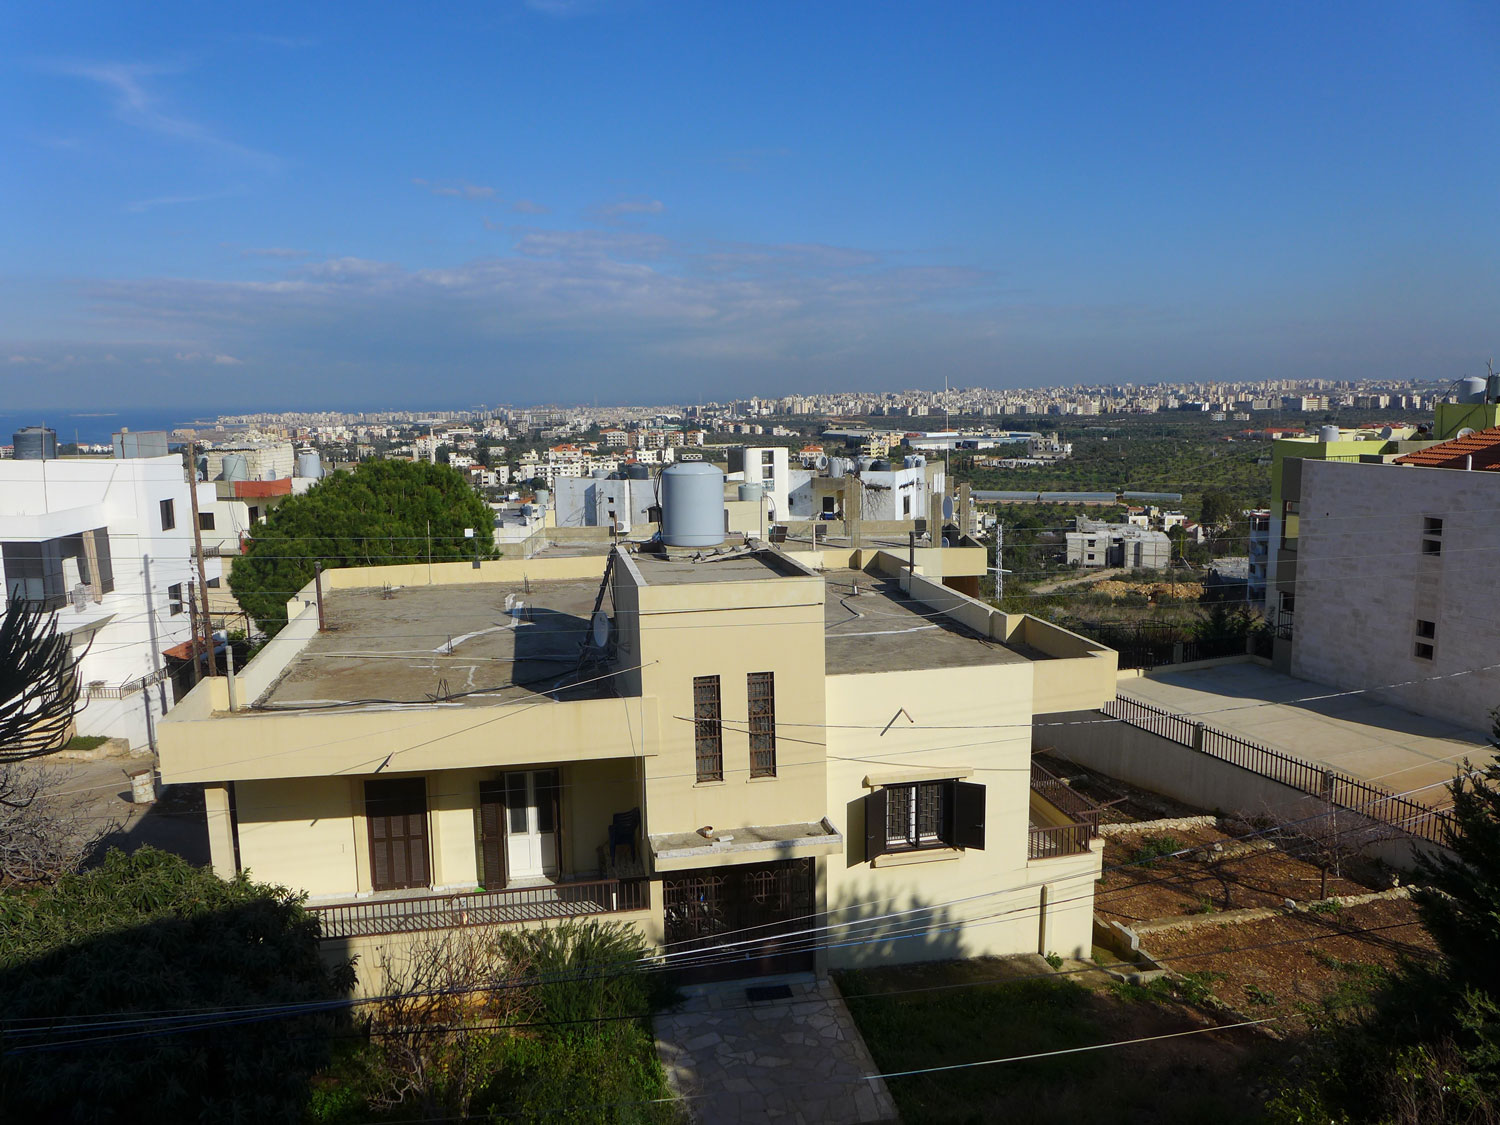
<point x="1482" y="445"/>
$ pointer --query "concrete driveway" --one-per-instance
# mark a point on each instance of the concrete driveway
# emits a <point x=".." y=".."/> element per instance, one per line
<point x="796" y="1058"/>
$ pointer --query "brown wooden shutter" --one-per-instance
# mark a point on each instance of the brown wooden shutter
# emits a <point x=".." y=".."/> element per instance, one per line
<point x="492" y="834"/>
<point x="967" y="804"/>
<point x="875" y="825"/>
<point x="396" y="811"/>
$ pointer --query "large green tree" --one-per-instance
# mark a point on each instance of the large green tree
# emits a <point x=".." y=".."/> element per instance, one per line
<point x="151" y="990"/>
<point x="381" y="513"/>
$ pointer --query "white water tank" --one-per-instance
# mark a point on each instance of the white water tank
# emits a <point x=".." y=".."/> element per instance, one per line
<point x="692" y="505"/>
<point x="309" y="466"/>
<point x="1328" y="433"/>
<point x="234" y="467"/>
<point x="752" y="492"/>
<point x="1471" y="389"/>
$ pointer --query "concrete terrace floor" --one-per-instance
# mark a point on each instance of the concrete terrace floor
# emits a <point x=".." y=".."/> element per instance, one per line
<point x="1355" y="734"/>
<point x="799" y="1060"/>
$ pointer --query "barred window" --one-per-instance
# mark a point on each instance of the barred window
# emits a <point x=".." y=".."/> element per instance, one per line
<point x="946" y="813"/>
<point x="761" y="687"/>
<point x="914" y="814"/>
<point x="708" y="728"/>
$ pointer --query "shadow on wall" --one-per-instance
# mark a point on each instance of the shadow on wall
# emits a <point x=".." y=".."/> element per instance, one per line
<point x="868" y="928"/>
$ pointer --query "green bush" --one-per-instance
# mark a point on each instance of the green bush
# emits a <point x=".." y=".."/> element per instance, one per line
<point x="1153" y="848"/>
<point x="149" y="933"/>
<point x="85" y="742"/>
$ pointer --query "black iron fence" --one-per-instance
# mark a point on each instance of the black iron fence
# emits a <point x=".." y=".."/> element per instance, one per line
<point x="1374" y="802"/>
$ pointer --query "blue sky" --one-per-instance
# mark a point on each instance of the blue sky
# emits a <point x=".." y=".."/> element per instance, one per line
<point x="274" y="205"/>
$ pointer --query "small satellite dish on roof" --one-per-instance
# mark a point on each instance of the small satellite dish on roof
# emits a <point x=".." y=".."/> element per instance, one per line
<point x="1467" y="431"/>
<point x="600" y="632"/>
<point x="947" y="507"/>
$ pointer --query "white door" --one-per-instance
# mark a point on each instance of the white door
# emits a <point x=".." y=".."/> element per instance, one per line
<point x="530" y="825"/>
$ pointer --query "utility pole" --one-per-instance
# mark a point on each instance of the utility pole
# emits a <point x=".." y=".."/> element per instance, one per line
<point x="208" y="627"/>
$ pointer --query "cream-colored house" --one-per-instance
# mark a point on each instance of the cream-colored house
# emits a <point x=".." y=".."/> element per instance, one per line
<point x="764" y="759"/>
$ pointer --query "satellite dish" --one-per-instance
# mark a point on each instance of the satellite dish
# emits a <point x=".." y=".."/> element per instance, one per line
<point x="947" y="507"/>
<point x="600" y="633"/>
<point x="1467" y="431"/>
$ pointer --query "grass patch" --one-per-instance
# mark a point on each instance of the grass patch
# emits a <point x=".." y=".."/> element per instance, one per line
<point x="1154" y="848"/>
<point x="995" y="1019"/>
<point x="85" y="742"/>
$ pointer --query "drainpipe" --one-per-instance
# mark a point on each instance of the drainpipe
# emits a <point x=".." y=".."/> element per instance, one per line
<point x="318" y="590"/>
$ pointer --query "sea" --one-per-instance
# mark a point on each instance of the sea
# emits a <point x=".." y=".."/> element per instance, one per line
<point x="97" y="426"/>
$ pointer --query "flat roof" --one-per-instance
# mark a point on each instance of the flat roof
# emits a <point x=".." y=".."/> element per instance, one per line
<point x="1356" y="734"/>
<point x="880" y="629"/>
<point x="421" y="644"/>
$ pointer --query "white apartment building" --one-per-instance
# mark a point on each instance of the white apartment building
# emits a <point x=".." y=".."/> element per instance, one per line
<point x="107" y="543"/>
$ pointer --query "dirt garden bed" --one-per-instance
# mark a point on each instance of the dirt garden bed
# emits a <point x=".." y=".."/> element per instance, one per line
<point x="1300" y="968"/>
<point x="1141" y="883"/>
<point x="1123" y="803"/>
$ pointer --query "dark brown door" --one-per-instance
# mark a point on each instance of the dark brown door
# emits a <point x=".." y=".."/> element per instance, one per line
<point x="492" y="834"/>
<point x="396" y="811"/>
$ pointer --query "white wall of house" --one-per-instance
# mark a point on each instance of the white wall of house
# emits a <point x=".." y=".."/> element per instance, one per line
<point x="123" y="629"/>
<point x="1364" y="582"/>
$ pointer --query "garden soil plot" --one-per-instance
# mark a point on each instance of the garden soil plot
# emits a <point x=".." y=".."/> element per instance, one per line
<point x="1297" y="966"/>
<point x="1136" y="887"/>
<point x="1125" y="803"/>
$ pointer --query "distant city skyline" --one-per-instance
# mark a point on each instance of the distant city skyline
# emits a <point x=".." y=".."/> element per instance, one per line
<point x="574" y="200"/>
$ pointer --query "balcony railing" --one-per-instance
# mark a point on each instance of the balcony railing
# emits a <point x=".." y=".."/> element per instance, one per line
<point x="480" y="908"/>
<point x="1058" y="840"/>
<point x="1047" y="841"/>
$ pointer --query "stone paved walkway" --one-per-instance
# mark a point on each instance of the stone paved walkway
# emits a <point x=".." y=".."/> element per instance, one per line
<point x="793" y="1060"/>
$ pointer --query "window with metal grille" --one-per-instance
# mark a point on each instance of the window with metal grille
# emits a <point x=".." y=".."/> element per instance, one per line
<point x="174" y="598"/>
<point x="914" y="814"/>
<point x="708" y="728"/>
<point x="927" y="814"/>
<point x="762" y="692"/>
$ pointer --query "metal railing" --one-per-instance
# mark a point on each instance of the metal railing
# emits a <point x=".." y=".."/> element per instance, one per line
<point x="1064" y="798"/>
<point x="1374" y="802"/>
<point x="1058" y="840"/>
<point x="480" y="908"/>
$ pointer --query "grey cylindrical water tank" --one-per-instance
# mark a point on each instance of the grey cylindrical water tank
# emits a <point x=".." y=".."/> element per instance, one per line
<point x="35" y="443"/>
<point x="637" y="471"/>
<point x="692" y="505"/>
<point x="908" y="462"/>
<point x="234" y="467"/>
<point x="1328" y="433"/>
<point x="309" y="465"/>
<point x="752" y="492"/>
<point x="836" y="468"/>
<point x="600" y="474"/>
<point x="864" y="463"/>
<point x="543" y="498"/>
<point x="1471" y="389"/>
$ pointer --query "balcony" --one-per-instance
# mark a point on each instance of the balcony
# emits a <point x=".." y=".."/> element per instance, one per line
<point x="377" y="916"/>
<point x="1063" y="822"/>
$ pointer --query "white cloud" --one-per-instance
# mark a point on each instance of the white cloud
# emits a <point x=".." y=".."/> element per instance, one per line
<point x="529" y="207"/>
<point x="623" y="207"/>
<point x="273" y="252"/>
<point x="138" y="106"/>
<point x="455" y="189"/>
<point x="218" y="359"/>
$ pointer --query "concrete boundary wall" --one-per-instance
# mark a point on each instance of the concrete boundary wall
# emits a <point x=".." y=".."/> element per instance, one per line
<point x="1160" y="765"/>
